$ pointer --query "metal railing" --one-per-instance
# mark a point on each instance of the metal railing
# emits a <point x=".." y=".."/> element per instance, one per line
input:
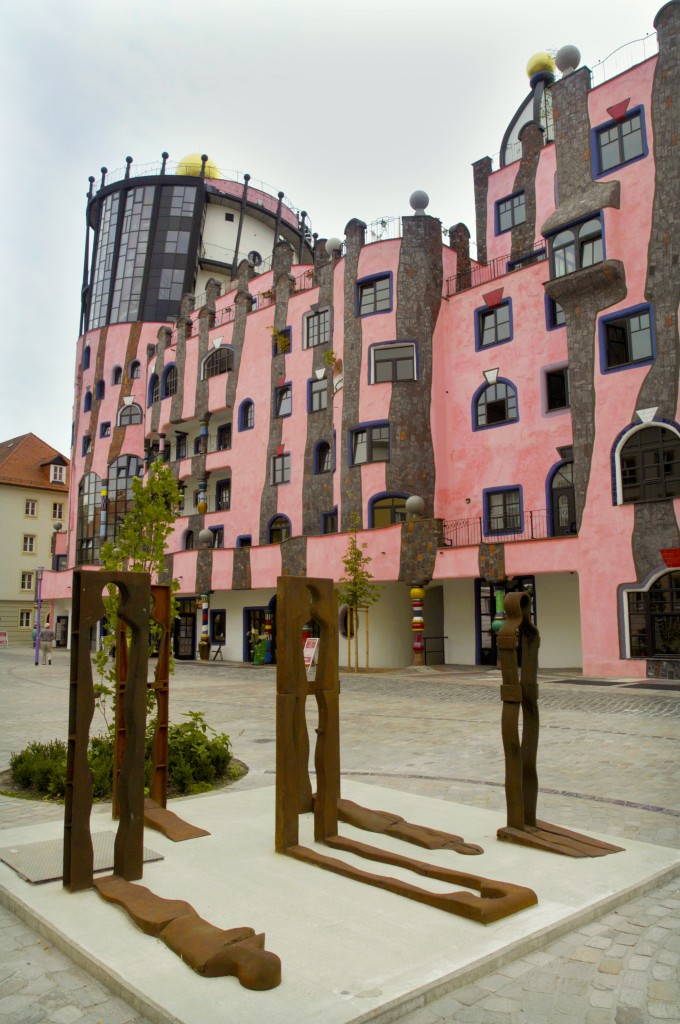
<point x="535" y="525"/>
<point x="482" y="273"/>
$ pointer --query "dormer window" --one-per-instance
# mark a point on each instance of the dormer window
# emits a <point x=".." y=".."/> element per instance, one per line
<point x="57" y="474"/>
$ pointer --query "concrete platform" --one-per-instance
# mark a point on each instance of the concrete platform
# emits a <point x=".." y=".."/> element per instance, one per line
<point x="349" y="952"/>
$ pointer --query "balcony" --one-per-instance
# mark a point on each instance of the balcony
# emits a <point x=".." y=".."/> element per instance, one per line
<point x="483" y="273"/>
<point x="537" y="525"/>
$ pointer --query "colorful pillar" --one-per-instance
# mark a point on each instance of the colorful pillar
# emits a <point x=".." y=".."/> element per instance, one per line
<point x="417" y="595"/>
<point x="202" y="506"/>
<point x="204" y="642"/>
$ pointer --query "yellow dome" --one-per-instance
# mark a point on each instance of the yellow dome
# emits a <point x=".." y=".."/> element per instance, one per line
<point x="540" y="61"/>
<point x="191" y="164"/>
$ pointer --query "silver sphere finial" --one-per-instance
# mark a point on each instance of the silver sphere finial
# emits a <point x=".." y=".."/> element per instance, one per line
<point x="568" y="59"/>
<point x="333" y="245"/>
<point x="419" y="202"/>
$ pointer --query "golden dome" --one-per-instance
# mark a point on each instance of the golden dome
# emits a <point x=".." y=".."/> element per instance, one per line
<point x="540" y="61"/>
<point x="191" y="164"/>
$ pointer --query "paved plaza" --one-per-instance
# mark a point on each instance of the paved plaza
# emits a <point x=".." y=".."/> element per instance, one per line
<point x="608" y="762"/>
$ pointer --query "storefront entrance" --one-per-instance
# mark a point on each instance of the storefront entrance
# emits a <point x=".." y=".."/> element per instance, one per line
<point x="184" y="639"/>
<point x="485" y="610"/>
<point x="259" y="634"/>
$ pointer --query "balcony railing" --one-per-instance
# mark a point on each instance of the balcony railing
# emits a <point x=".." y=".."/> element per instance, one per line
<point x="482" y="273"/>
<point x="537" y="525"/>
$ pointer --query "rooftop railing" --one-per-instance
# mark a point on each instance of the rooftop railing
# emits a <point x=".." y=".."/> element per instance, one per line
<point x="482" y="273"/>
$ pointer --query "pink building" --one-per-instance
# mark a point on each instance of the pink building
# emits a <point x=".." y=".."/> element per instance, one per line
<point x="528" y="395"/>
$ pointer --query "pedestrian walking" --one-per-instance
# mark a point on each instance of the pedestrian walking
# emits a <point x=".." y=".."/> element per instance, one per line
<point x="46" y="641"/>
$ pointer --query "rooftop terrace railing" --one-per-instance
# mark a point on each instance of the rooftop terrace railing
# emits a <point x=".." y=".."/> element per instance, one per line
<point x="536" y="525"/>
<point x="482" y="273"/>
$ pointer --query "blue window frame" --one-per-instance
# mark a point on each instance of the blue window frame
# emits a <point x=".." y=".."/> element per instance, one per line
<point x="246" y="414"/>
<point x="283" y="400"/>
<point x="99" y="389"/>
<point x="169" y="381"/>
<point x="220" y="360"/>
<point x="86" y="358"/>
<point x="503" y="512"/>
<point x="493" y="325"/>
<point x="386" y="509"/>
<point x="619" y="142"/>
<point x="223" y="495"/>
<point x="369" y="442"/>
<point x="323" y="457"/>
<point x="494" y="404"/>
<point x="554" y="314"/>
<point x="283" y="342"/>
<point x="245" y="540"/>
<point x="279" y="529"/>
<point x="218" y="536"/>
<point x="154" y="389"/>
<point x="510" y="211"/>
<point x="329" y="521"/>
<point x="627" y="339"/>
<point x="105" y="429"/>
<point x="223" y="438"/>
<point x="87" y="401"/>
<point x="87" y="444"/>
<point x="374" y="295"/>
<point x="649" y="463"/>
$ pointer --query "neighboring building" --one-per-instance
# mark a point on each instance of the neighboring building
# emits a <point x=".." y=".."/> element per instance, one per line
<point x="529" y="395"/>
<point x="34" y="481"/>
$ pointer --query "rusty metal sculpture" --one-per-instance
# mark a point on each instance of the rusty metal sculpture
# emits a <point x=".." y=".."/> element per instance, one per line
<point x="521" y="778"/>
<point x="207" y="949"/>
<point x="156" y="813"/>
<point x="299" y="600"/>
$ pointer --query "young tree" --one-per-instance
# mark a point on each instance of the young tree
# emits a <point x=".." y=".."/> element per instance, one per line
<point x="356" y="589"/>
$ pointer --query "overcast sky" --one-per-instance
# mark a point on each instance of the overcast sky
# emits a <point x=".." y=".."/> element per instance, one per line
<point x="346" y="105"/>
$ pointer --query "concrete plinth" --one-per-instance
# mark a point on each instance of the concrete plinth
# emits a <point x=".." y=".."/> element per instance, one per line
<point x="349" y="952"/>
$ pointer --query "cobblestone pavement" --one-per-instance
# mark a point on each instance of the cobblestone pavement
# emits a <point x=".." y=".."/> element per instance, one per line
<point x="608" y="761"/>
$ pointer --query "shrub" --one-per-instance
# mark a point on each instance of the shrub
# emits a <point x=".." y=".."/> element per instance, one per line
<point x="198" y="758"/>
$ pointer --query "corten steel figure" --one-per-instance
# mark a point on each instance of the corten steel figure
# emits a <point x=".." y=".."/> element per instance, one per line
<point x="299" y="600"/>
<point x="521" y="779"/>
<point x="208" y="950"/>
<point x="156" y="814"/>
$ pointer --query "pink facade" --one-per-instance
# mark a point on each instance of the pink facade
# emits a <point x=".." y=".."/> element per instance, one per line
<point x="529" y="397"/>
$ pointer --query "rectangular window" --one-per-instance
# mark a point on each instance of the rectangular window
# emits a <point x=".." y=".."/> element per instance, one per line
<point x="503" y="511"/>
<point x="374" y="295"/>
<point x="244" y="541"/>
<point x="317" y="328"/>
<point x="329" y="522"/>
<point x="105" y="430"/>
<point x="318" y="395"/>
<point x="57" y="474"/>
<point x="554" y="314"/>
<point x="281" y="469"/>
<point x="510" y="212"/>
<point x="87" y="444"/>
<point x="371" y="444"/>
<point x="27" y="581"/>
<point x="557" y="388"/>
<point x="577" y="247"/>
<point x="31" y="507"/>
<point x="393" y="363"/>
<point x="224" y="437"/>
<point x="281" y="341"/>
<point x="493" y="326"/>
<point x="621" y="142"/>
<point x="57" y="510"/>
<point x="25" y="618"/>
<point x="223" y="496"/>
<point x="181" y="446"/>
<point x="627" y="339"/>
<point x="29" y="544"/>
<point x="218" y="536"/>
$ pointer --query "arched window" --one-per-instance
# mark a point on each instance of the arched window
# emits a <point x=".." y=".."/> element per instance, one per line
<point x="386" y="510"/>
<point x="154" y="389"/>
<point x="654" y="618"/>
<point x="650" y="465"/>
<point x="217" y="362"/>
<point x="129" y="415"/>
<point x="577" y="247"/>
<point x="86" y="358"/>
<point x="246" y="415"/>
<point x="88" y="539"/>
<point x="117" y="375"/>
<point x="122" y="472"/>
<point x="495" y="404"/>
<point x="135" y="370"/>
<point x="279" y="529"/>
<point x="189" y="540"/>
<point x="323" y="458"/>
<point x="170" y="381"/>
<point x="562" y="502"/>
<point x="87" y="401"/>
<point x="99" y="389"/>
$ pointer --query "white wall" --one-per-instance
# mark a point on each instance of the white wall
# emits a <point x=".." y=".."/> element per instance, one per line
<point x="459" y="621"/>
<point x="390" y="634"/>
<point x="559" y="620"/>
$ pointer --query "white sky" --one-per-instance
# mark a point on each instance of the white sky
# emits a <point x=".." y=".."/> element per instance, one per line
<point x="346" y="105"/>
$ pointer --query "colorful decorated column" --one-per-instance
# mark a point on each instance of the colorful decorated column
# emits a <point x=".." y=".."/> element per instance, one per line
<point x="202" y="506"/>
<point x="204" y="437"/>
<point x="204" y="642"/>
<point x="417" y="595"/>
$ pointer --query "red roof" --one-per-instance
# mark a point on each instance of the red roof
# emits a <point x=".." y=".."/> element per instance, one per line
<point x="25" y="462"/>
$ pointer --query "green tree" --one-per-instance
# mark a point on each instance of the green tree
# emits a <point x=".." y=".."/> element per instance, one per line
<point x="356" y="589"/>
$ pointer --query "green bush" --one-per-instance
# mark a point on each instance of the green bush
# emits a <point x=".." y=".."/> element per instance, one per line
<point x="198" y="759"/>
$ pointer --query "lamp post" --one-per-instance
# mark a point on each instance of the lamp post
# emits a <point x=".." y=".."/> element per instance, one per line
<point x="38" y="602"/>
